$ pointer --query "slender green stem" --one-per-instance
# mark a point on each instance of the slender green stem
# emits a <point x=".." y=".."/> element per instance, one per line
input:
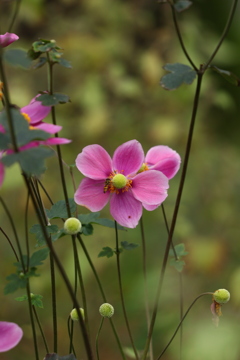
<point x="40" y="328"/>
<point x="97" y="337"/>
<point x="70" y="334"/>
<point x="81" y="282"/>
<point x="225" y="31"/>
<point x="18" y="3"/>
<point x="10" y="243"/>
<point x="62" y="271"/>
<point x="26" y="232"/>
<point x="101" y="291"/>
<point x="121" y="293"/>
<point x="180" y="35"/>
<point x="32" y="321"/>
<point x="175" y="213"/>
<point x="144" y="260"/>
<point x="54" y="304"/>
<point x="180" y="323"/>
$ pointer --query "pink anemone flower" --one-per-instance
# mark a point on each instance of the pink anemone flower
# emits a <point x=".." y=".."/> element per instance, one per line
<point x="7" y="39"/>
<point x="117" y="180"/>
<point x="10" y="335"/>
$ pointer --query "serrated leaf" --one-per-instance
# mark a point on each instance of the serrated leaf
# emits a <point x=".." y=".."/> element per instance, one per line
<point x="179" y="74"/>
<point x="43" y="46"/>
<point x="38" y="257"/>
<point x="65" y="63"/>
<point x="179" y="250"/>
<point x="182" y="5"/>
<point x="227" y="75"/>
<point x="36" y="300"/>
<point x="37" y="231"/>
<point x="106" y="251"/>
<point x="17" y="57"/>
<point x="128" y="246"/>
<point x="31" y="160"/>
<point x="21" y="298"/>
<point x="87" y="229"/>
<point x="54" y="99"/>
<point x="15" y="282"/>
<point x="59" y="209"/>
<point x="88" y="218"/>
<point x="41" y="61"/>
<point x="178" y="264"/>
<point x="58" y="235"/>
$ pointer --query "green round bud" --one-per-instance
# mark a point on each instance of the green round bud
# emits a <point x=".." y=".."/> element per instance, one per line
<point x="72" y="226"/>
<point x="221" y="296"/>
<point x="21" y="275"/>
<point x="74" y="315"/>
<point x="106" y="310"/>
<point x="119" y="181"/>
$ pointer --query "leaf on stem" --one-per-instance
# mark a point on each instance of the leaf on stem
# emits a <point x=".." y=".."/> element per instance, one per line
<point x="182" y="5"/>
<point x="59" y="209"/>
<point x="36" y="299"/>
<point x="93" y="218"/>
<point x="178" y="74"/>
<point x="37" y="231"/>
<point x="17" y="57"/>
<point x="179" y="251"/>
<point x="106" y="251"/>
<point x="128" y="246"/>
<point x="54" y="99"/>
<point x="227" y="75"/>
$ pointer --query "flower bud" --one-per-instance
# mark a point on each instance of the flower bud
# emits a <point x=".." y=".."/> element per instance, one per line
<point x="74" y="315"/>
<point x="106" y="310"/>
<point x="221" y="296"/>
<point x="72" y="226"/>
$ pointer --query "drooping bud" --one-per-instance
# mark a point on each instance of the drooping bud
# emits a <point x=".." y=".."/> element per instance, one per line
<point x="221" y="296"/>
<point x="72" y="226"/>
<point x="106" y="310"/>
<point x="74" y="314"/>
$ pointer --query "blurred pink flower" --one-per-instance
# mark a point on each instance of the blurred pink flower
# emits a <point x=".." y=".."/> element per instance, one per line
<point x="7" y="39"/>
<point x="10" y="335"/>
<point x="117" y="180"/>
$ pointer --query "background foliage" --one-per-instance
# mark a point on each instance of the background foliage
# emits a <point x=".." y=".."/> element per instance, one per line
<point x="117" y="50"/>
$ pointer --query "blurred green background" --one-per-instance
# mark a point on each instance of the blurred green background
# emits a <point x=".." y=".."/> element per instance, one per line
<point x="117" y="50"/>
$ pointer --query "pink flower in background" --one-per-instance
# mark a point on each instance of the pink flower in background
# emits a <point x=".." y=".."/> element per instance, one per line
<point x="117" y="180"/>
<point x="10" y="335"/>
<point x="7" y="39"/>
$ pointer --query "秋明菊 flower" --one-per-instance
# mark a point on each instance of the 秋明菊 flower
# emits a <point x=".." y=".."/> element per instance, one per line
<point x="7" y="39"/>
<point x="10" y="335"/>
<point x="117" y="180"/>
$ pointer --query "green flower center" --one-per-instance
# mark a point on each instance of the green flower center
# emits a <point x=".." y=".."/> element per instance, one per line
<point x="119" y="181"/>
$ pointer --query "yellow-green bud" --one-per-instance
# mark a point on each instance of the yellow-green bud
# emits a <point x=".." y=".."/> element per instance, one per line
<point x="74" y="315"/>
<point x="119" y="181"/>
<point x="106" y="310"/>
<point x="72" y="226"/>
<point x="221" y="296"/>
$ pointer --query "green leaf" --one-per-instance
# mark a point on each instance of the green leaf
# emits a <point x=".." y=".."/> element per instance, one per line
<point x="38" y="257"/>
<point x="59" y="209"/>
<point x="36" y="300"/>
<point x="65" y="63"/>
<point x="106" y="251"/>
<point x="227" y="75"/>
<point x="16" y="281"/>
<point x="44" y="45"/>
<point x="17" y="57"/>
<point x="128" y="246"/>
<point x="182" y="5"/>
<point x="179" y="74"/>
<point x="31" y="160"/>
<point x="178" y="264"/>
<point x="87" y="229"/>
<point x="58" y="235"/>
<point x="37" y="231"/>
<point x="41" y="61"/>
<point x="33" y="54"/>
<point x="54" y="99"/>
<point x="93" y="218"/>
<point x="179" y="249"/>
<point x="21" y="298"/>
<point x="4" y="141"/>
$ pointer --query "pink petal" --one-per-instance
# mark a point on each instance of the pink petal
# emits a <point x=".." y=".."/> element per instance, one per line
<point x="10" y="335"/>
<point x="94" y="162"/>
<point x="150" y="207"/>
<point x="128" y="157"/>
<point x="164" y="159"/>
<point x="55" y="141"/>
<point x="90" y="194"/>
<point x="36" y="111"/>
<point x="50" y="128"/>
<point x="2" y="130"/>
<point x="125" y="209"/>
<point x="2" y="173"/>
<point x="150" y="187"/>
<point x="7" y="39"/>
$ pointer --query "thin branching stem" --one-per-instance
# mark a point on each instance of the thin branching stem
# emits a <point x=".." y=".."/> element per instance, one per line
<point x="15" y="14"/>
<point x="97" y="337"/>
<point x="40" y="328"/>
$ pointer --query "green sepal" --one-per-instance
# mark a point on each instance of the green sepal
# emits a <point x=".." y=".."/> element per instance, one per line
<point x="59" y="209"/>
<point x="54" y="99"/>
<point x="178" y="74"/>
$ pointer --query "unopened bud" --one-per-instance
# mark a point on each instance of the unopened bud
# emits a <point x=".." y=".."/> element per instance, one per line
<point x="72" y="226"/>
<point x="106" y="310"/>
<point x="221" y="296"/>
<point x="74" y="314"/>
